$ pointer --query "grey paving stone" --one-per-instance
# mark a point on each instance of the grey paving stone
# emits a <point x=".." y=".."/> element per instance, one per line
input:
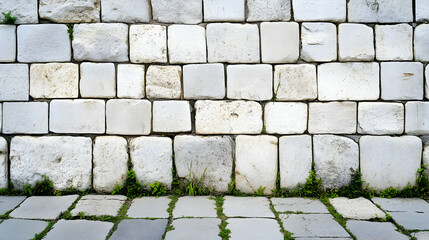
<point x="99" y="205"/>
<point x="194" y="229"/>
<point x="247" y="207"/>
<point x="79" y="229"/>
<point x="358" y="208"/>
<point x="323" y="238"/>
<point x="304" y="205"/>
<point x="8" y="203"/>
<point x="402" y="204"/>
<point x="254" y="229"/>
<point x="374" y="230"/>
<point x="135" y="229"/>
<point x="421" y="235"/>
<point x="195" y="207"/>
<point x="412" y="220"/>
<point x="312" y="225"/>
<point x="19" y="229"/>
<point x="41" y="207"/>
<point x="149" y="207"/>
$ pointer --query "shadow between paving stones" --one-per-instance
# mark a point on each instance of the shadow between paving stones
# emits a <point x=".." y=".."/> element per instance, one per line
<point x="8" y="203"/>
<point x="79" y="229"/>
<point x="20" y="229"/>
<point x="137" y="229"/>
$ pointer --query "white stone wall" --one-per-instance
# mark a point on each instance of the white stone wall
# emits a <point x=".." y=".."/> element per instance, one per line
<point x="244" y="91"/>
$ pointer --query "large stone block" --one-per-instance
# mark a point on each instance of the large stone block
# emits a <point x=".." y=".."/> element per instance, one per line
<point x="334" y="157"/>
<point x="422" y="10"/>
<point x="319" y="42"/>
<point x="333" y="117"/>
<point x="221" y="117"/>
<point x="66" y="161"/>
<point x="171" y="116"/>
<point x="394" y="42"/>
<point x="7" y="43"/>
<point x="128" y="117"/>
<point x="402" y="81"/>
<point x="130" y="81"/>
<point x="148" y="43"/>
<point x="250" y="82"/>
<point x="25" y="117"/>
<point x="204" y="81"/>
<point x="70" y="11"/>
<point x="177" y="11"/>
<point x="355" y="42"/>
<point x="379" y="118"/>
<point x="274" y="10"/>
<point x="321" y="10"/>
<point x="87" y="39"/>
<point x="4" y="166"/>
<point x="164" y="82"/>
<point x="348" y="81"/>
<point x="129" y="11"/>
<point x="224" y="11"/>
<point x="383" y="11"/>
<point x="389" y="161"/>
<point x="97" y="80"/>
<point x="24" y="10"/>
<point x="421" y="43"/>
<point x="186" y="44"/>
<point x="417" y="118"/>
<point x="279" y="42"/>
<point x="209" y="158"/>
<point x="14" y="82"/>
<point x="285" y="118"/>
<point x="295" y="82"/>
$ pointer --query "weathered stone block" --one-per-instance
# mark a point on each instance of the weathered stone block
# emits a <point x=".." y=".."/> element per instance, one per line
<point x="358" y="208"/>
<point x="317" y="226"/>
<point x="129" y="11"/>
<point x="204" y="81"/>
<point x="14" y="82"/>
<point x="402" y="81"/>
<point x="177" y="11"/>
<point x="379" y="118"/>
<point x="164" y="82"/>
<point x="355" y="42"/>
<point x="7" y="43"/>
<point x="66" y="161"/>
<point x="130" y="81"/>
<point x="224" y="11"/>
<point x="422" y="10"/>
<point x="186" y="44"/>
<point x="171" y="116"/>
<point x="24" y="10"/>
<point x="25" y="117"/>
<point x="71" y="11"/>
<point x="275" y="10"/>
<point x="421" y="42"/>
<point x="148" y="43"/>
<point x="285" y="118"/>
<point x="324" y="10"/>
<point x="333" y="117"/>
<point x="251" y="82"/>
<point x="97" y="80"/>
<point x="384" y="11"/>
<point x="417" y="118"/>
<point x="4" y="166"/>
<point x="394" y="42"/>
<point x="295" y="82"/>
<point x="319" y="42"/>
<point x="98" y="205"/>
<point x="128" y="117"/>
<point x="279" y="42"/>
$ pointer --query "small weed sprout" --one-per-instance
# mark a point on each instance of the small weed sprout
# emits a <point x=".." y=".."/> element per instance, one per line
<point x="260" y="191"/>
<point x="8" y="19"/>
<point x="158" y="189"/>
<point x="277" y="89"/>
<point x="70" y="31"/>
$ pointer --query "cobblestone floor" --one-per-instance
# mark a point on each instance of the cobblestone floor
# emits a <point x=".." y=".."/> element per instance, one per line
<point x="116" y="217"/>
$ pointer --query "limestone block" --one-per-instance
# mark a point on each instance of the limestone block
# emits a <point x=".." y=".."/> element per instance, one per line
<point x="110" y="163"/>
<point x="422" y="10"/>
<point x="251" y="82"/>
<point x="233" y="43"/>
<point x="70" y="11"/>
<point x="321" y="10"/>
<point x="296" y="157"/>
<point x="54" y="80"/>
<point x="332" y="117"/>
<point x="402" y="81"/>
<point x="379" y="118"/>
<point x="164" y="82"/>
<point x="99" y="205"/>
<point x="394" y="42"/>
<point x="285" y="118"/>
<point x="35" y="46"/>
<point x="152" y="159"/>
<point x="334" y="156"/>
<point x="14" y="82"/>
<point x="204" y="81"/>
<point x="389" y="161"/>
<point x="130" y="81"/>
<point x="275" y="10"/>
<point x="4" y="167"/>
<point x="211" y="157"/>
<point x="221" y="117"/>
<point x="128" y="117"/>
<point x="279" y="42"/>
<point x="348" y="81"/>
<point x="129" y="11"/>
<point x="295" y="82"/>
<point x="417" y="118"/>
<point x="97" y="80"/>
<point x="358" y="208"/>
<point x="77" y="116"/>
<point x="87" y="39"/>
<point x="7" y="43"/>
<point x="171" y="116"/>
<point x="355" y="42"/>
<point x="224" y="11"/>
<point x="177" y="11"/>
<point x="186" y="44"/>
<point x="25" y="11"/>
<point x="66" y="161"/>
<point x="148" y="43"/>
<point x="421" y="42"/>
<point x="25" y="117"/>
<point x="383" y="11"/>
<point x="319" y="42"/>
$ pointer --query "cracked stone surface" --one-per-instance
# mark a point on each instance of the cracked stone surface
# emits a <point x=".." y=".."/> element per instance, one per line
<point x="99" y="205"/>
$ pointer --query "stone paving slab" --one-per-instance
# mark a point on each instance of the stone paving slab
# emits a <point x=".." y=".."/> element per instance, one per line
<point x="194" y="229"/>
<point x="137" y="229"/>
<point x="421" y="235"/>
<point x="19" y="229"/>
<point x="323" y="238"/>
<point x="247" y="207"/>
<point x="195" y="207"/>
<point x="412" y="220"/>
<point x="312" y="225"/>
<point x="99" y="205"/>
<point x="304" y="205"/>
<point x="254" y="229"/>
<point x="8" y="203"/>
<point x="358" y="208"/>
<point x="79" y="229"/>
<point x="402" y="204"/>
<point x="149" y="207"/>
<point x="374" y="230"/>
<point x="41" y="207"/>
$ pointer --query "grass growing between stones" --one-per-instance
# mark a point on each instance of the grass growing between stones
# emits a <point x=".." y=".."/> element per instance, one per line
<point x="132" y="188"/>
<point x="170" y="209"/>
<point x="337" y="216"/>
<point x="8" y="19"/>
<point x="224" y="231"/>
<point x="287" y="235"/>
<point x="41" y="235"/>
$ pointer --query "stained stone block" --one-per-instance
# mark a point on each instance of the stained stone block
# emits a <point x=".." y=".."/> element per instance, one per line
<point x="97" y="80"/>
<point x="4" y="167"/>
<point x="358" y="208"/>
<point x="251" y="82"/>
<point x="129" y="11"/>
<point x="14" y="82"/>
<point x="193" y="229"/>
<point x="374" y="230"/>
<point x="79" y="229"/>
<point x="20" y="229"/>
<point x="99" y="205"/>
<point x="149" y="207"/>
<point x="251" y="207"/>
<point x="303" y="205"/>
<point x="25" y="11"/>
<point x="171" y="116"/>
<point x="394" y="42"/>
<point x="133" y="229"/>
<point x="254" y="229"/>
<point x="285" y="117"/>
<point x="177" y="11"/>
<point x="204" y="81"/>
<point x="383" y="11"/>
<point x="378" y="118"/>
<point x="421" y="43"/>
<point x="164" y="82"/>
<point x="322" y="10"/>
<point x="224" y="11"/>
<point x="148" y="43"/>
<point x="25" y="117"/>
<point x="71" y="11"/>
<point x="7" y="43"/>
<point x="200" y="207"/>
<point x="295" y="82"/>
<point x="128" y="117"/>
<point x="355" y="42"/>
<point x="332" y="117"/>
<point x="417" y="118"/>
<point x="316" y="226"/>
<point x="279" y="42"/>
<point x="319" y="42"/>
<point x="130" y="81"/>
<point x="186" y="44"/>
<point x="275" y="10"/>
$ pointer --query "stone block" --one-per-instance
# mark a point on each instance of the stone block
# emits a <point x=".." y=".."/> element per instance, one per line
<point x="4" y="166"/>
<point x="256" y="163"/>
<point x="295" y="160"/>
<point x="348" y="81"/>
<point x="254" y="228"/>
<point x="99" y="205"/>
<point x="110" y="163"/>
<point x="285" y="117"/>
<point x="389" y="161"/>
<point x="332" y="117"/>
<point x="417" y="118"/>
<point x="130" y="81"/>
<point x="275" y="10"/>
<point x="35" y="46"/>
<point x="148" y="43"/>
<point x="421" y="43"/>
<point x="193" y="229"/>
<point x="402" y="204"/>
<point x="251" y="82"/>
<point x="149" y="207"/>
<point x="128" y="11"/>
<point x="133" y="229"/>
<point x="87" y="39"/>
<point x="77" y="116"/>
<point x="394" y="42"/>
<point x="25" y="11"/>
<point x="374" y="230"/>
<point x="204" y="81"/>
<point x="164" y="82"/>
<point x="295" y="82"/>
<point x="224" y="11"/>
<point x="358" y="208"/>
<point x="321" y="226"/>
<point x="402" y="81"/>
<point x="9" y="203"/>
<point x="279" y="42"/>
<point x="171" y="116"/>
<point x="319" y="42"/>
<point x="21" y="229"/>
<point x="14" y="84"/>
<point x="412" y="220"/>
<point x="74" y="11"/>
<point x="222" y="117"/>
<point x="128" y="117"/>
<point x="25" y="117"/>
<point x="378" y="118"/>
<point x="202" y="207"/>
<point x="54" y="80"/>
<point x="422" y="12"/>
<point x="233" y="43"/>
<point x="383" y="11"/>
<point x="152" y="159"/>
<point x="177" y="11"/>
<point x="421" y="235"/>
<point x="97" y="80"/>
<point x="7" y="43"/>
<point x="248" y="207"/>
<point x="355" y="42"/>
<point x="79" y="229"/>
<point x="303" y="205"/>
<point x="187" y="44"/>
<point x="211" y="157"/>
<point x="324" y="10"/>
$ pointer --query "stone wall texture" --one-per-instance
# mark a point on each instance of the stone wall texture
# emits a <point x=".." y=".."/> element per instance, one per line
<point x="254" y="93"/>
